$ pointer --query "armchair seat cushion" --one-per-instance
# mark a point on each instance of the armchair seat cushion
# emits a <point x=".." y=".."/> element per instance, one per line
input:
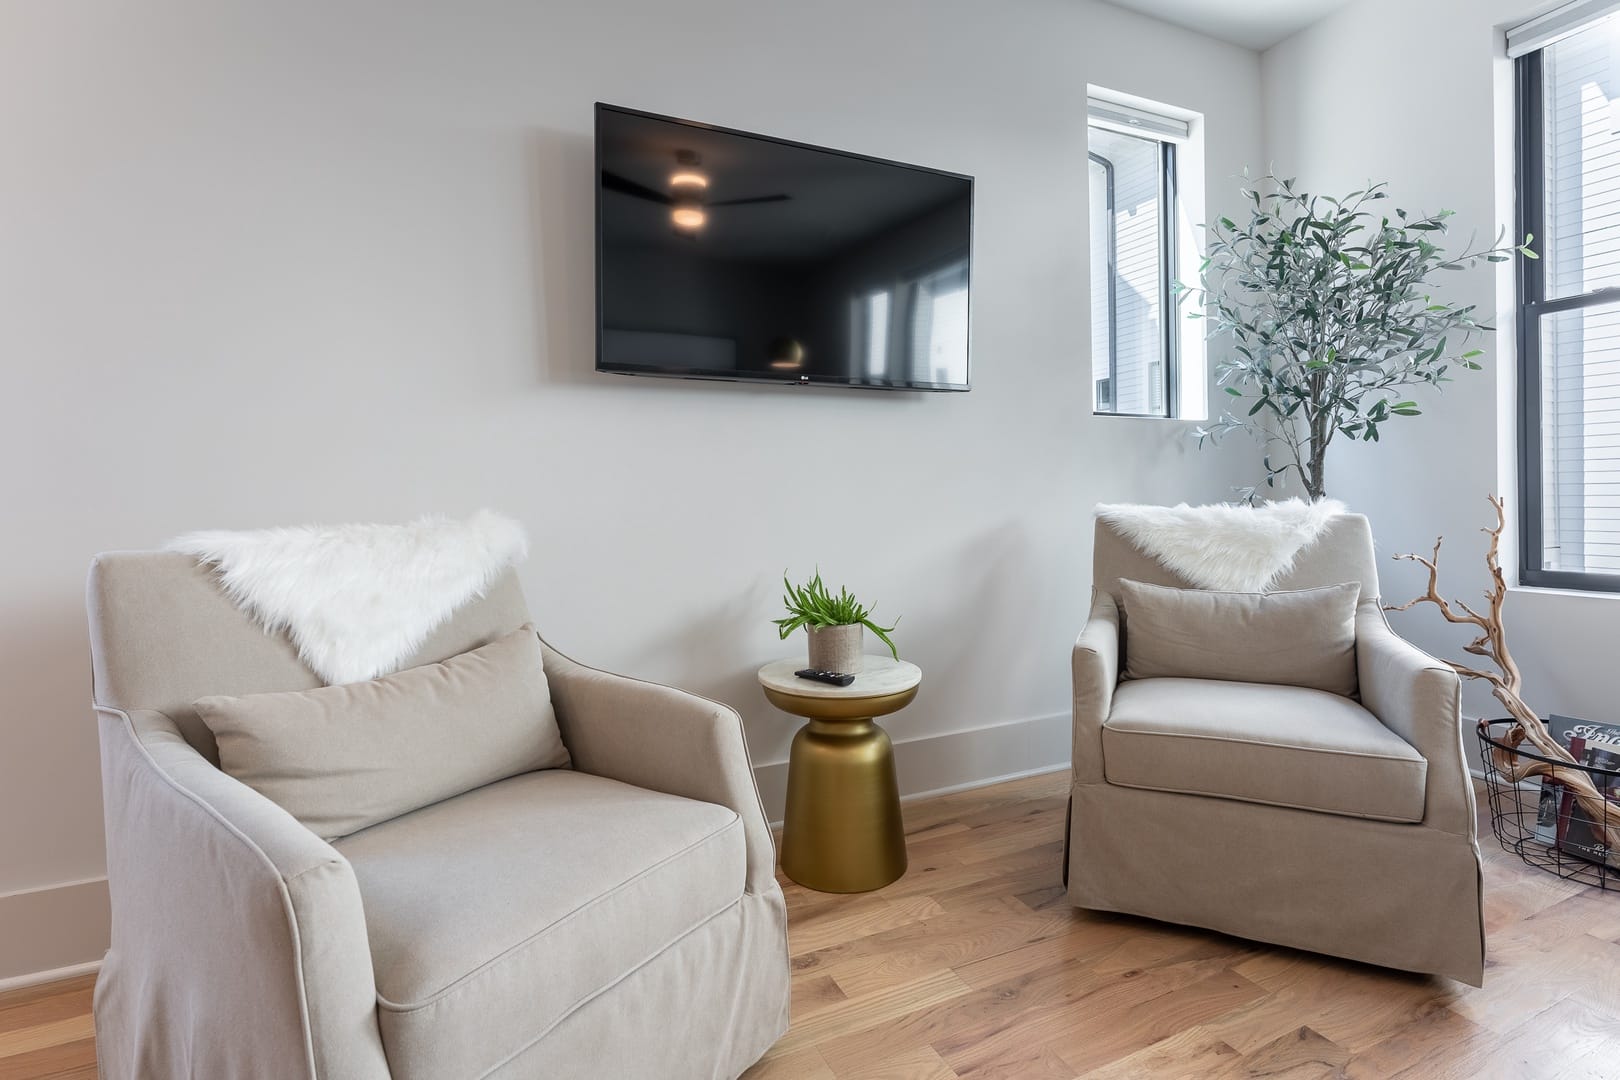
<point x="1281" y="745"/>
<point x="493" y="915"/>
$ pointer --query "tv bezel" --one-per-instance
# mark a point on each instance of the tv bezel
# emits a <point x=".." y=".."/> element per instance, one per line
<point x="765" y="376"/>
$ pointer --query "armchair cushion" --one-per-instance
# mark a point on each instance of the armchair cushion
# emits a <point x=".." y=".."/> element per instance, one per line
<point x="341" y="758"/>
<point x="1302" y="637"/>
<point x="494" y="915"/>
<point x="1283" y="745"/>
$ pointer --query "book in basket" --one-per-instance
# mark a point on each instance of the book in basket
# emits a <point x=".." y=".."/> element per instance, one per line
<point x="1561" y="820"/>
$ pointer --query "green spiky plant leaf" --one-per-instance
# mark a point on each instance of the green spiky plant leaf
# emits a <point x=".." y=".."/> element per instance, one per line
<point x="814" y="605"/>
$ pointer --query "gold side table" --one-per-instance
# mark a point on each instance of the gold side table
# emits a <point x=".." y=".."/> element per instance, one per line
<point x="842" y="831"/>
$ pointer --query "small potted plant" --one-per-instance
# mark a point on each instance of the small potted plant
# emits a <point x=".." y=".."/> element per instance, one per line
<point x="834" y="625"/>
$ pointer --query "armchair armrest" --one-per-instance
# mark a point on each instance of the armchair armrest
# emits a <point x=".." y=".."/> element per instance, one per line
<point x="1420" y="699"/>
<point x="662" y="739"/>
<point x="1096" y="671"/>
<point x="232" y="914"/>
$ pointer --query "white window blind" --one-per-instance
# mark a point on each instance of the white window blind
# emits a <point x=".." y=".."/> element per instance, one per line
<point x="1577" y="322"/>
<point x="1129" y="118"/>
<point x="1557" y="24"/>
<point x="1581" y="122"/>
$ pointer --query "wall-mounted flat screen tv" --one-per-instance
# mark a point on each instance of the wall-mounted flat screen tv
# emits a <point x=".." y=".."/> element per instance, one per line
<point x="725" y="255"/>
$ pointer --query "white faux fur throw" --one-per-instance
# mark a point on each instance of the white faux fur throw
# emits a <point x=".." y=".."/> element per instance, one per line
<point x="358" y="600"/>
<point x="1225" y="547"/>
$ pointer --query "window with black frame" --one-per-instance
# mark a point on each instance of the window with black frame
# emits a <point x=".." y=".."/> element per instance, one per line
<point x="1131" y="175"/>
<point x="1568" y="93"/>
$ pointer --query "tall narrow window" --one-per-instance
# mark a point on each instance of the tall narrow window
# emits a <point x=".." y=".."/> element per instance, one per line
<point x="1132" y="170"/>
<point x="1569" y="308"/>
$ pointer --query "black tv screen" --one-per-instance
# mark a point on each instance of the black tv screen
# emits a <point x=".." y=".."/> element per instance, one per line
<point x="725" y="255"/>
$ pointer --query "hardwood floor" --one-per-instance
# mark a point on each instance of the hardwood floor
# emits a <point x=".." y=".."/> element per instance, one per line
<point x="46" y="1031"/>
<point x="974" y="966"/>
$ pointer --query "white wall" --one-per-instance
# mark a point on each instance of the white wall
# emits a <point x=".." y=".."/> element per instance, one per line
<point x="273" y="263"/>
<point x="1418" y="94"/>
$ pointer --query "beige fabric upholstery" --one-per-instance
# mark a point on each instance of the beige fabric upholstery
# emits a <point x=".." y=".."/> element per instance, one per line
<point x="666" y="740"/>
<point x="241" y="946"/>
<point x="1283" y="745"/>
<point x="238" y="938"/>
<point x="1401" y="896"/>
<point x="1420" y="699"/>
<point x="1404" y="894"/>
<point x="613" y="876"/>
<point x="1096" y="671"/>
<point x="637" y="1028"/>
<point x="342" y="758"/>
<point x="1298" y="637"/>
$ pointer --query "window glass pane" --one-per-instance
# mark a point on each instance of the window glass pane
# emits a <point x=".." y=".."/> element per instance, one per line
<point x="1102" y="269"/>
<point x="1135" y="225"/>
<point x="1581" y="108"/>
<point x="1580" y="439"/>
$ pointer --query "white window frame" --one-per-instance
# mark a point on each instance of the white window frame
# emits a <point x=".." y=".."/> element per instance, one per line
<point x="1179" y="133"/>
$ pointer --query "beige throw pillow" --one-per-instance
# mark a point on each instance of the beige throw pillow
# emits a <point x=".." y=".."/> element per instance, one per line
<point x="1306" y="637"/>
<point x="340" y="758"/>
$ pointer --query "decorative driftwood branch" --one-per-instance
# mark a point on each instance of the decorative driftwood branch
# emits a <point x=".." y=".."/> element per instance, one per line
<point x="1507" y="683"/>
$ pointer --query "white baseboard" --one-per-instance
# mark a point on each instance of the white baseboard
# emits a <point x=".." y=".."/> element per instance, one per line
<point x="955" y="760"/>
<point x="54" y="932"/>
<point x="969" y="785"/>
<point x="39" y="978"/>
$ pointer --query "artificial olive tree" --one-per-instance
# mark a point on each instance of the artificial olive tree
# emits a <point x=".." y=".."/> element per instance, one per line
<point x="1326" y="306"/>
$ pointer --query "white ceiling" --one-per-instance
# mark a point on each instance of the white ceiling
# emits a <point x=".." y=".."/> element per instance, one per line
<point x="1256" y="24"/>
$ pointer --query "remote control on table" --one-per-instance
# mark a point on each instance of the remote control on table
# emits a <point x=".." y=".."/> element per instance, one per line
<point x="832" y="677"/>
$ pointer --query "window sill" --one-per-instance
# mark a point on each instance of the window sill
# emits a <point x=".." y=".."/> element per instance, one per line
<point x="1565" y="591"/>
<point x="1145" y="416"/>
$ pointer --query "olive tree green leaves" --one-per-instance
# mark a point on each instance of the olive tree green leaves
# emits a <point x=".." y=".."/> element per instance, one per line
<point x="1325" y="305"/>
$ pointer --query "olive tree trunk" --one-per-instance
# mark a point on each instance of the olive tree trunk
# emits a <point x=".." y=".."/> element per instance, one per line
<point x="1321" y="433"/>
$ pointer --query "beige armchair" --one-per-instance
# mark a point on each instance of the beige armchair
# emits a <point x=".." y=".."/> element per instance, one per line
<point x="1275" y="813"/>
<point x="620" y="918"/>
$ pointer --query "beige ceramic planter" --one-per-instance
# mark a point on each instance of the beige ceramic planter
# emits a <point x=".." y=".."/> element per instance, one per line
<point x="836" y="648"/>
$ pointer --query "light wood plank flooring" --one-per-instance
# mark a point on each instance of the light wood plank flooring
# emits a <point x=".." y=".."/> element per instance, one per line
<point x="974" y="966"/>
<point x="46" y="1031"/>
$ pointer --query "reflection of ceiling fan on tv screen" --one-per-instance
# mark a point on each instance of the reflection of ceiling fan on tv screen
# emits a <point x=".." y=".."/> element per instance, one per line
<point x="688" y="208"/>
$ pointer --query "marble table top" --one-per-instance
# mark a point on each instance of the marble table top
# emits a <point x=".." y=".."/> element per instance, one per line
<point x="881" y="676"/>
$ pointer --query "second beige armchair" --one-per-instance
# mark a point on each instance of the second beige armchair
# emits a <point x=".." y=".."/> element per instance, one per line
<point x="1277" y="813"/>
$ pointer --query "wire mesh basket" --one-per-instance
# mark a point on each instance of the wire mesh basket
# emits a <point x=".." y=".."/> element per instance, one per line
<point x="1541" y="819"/>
